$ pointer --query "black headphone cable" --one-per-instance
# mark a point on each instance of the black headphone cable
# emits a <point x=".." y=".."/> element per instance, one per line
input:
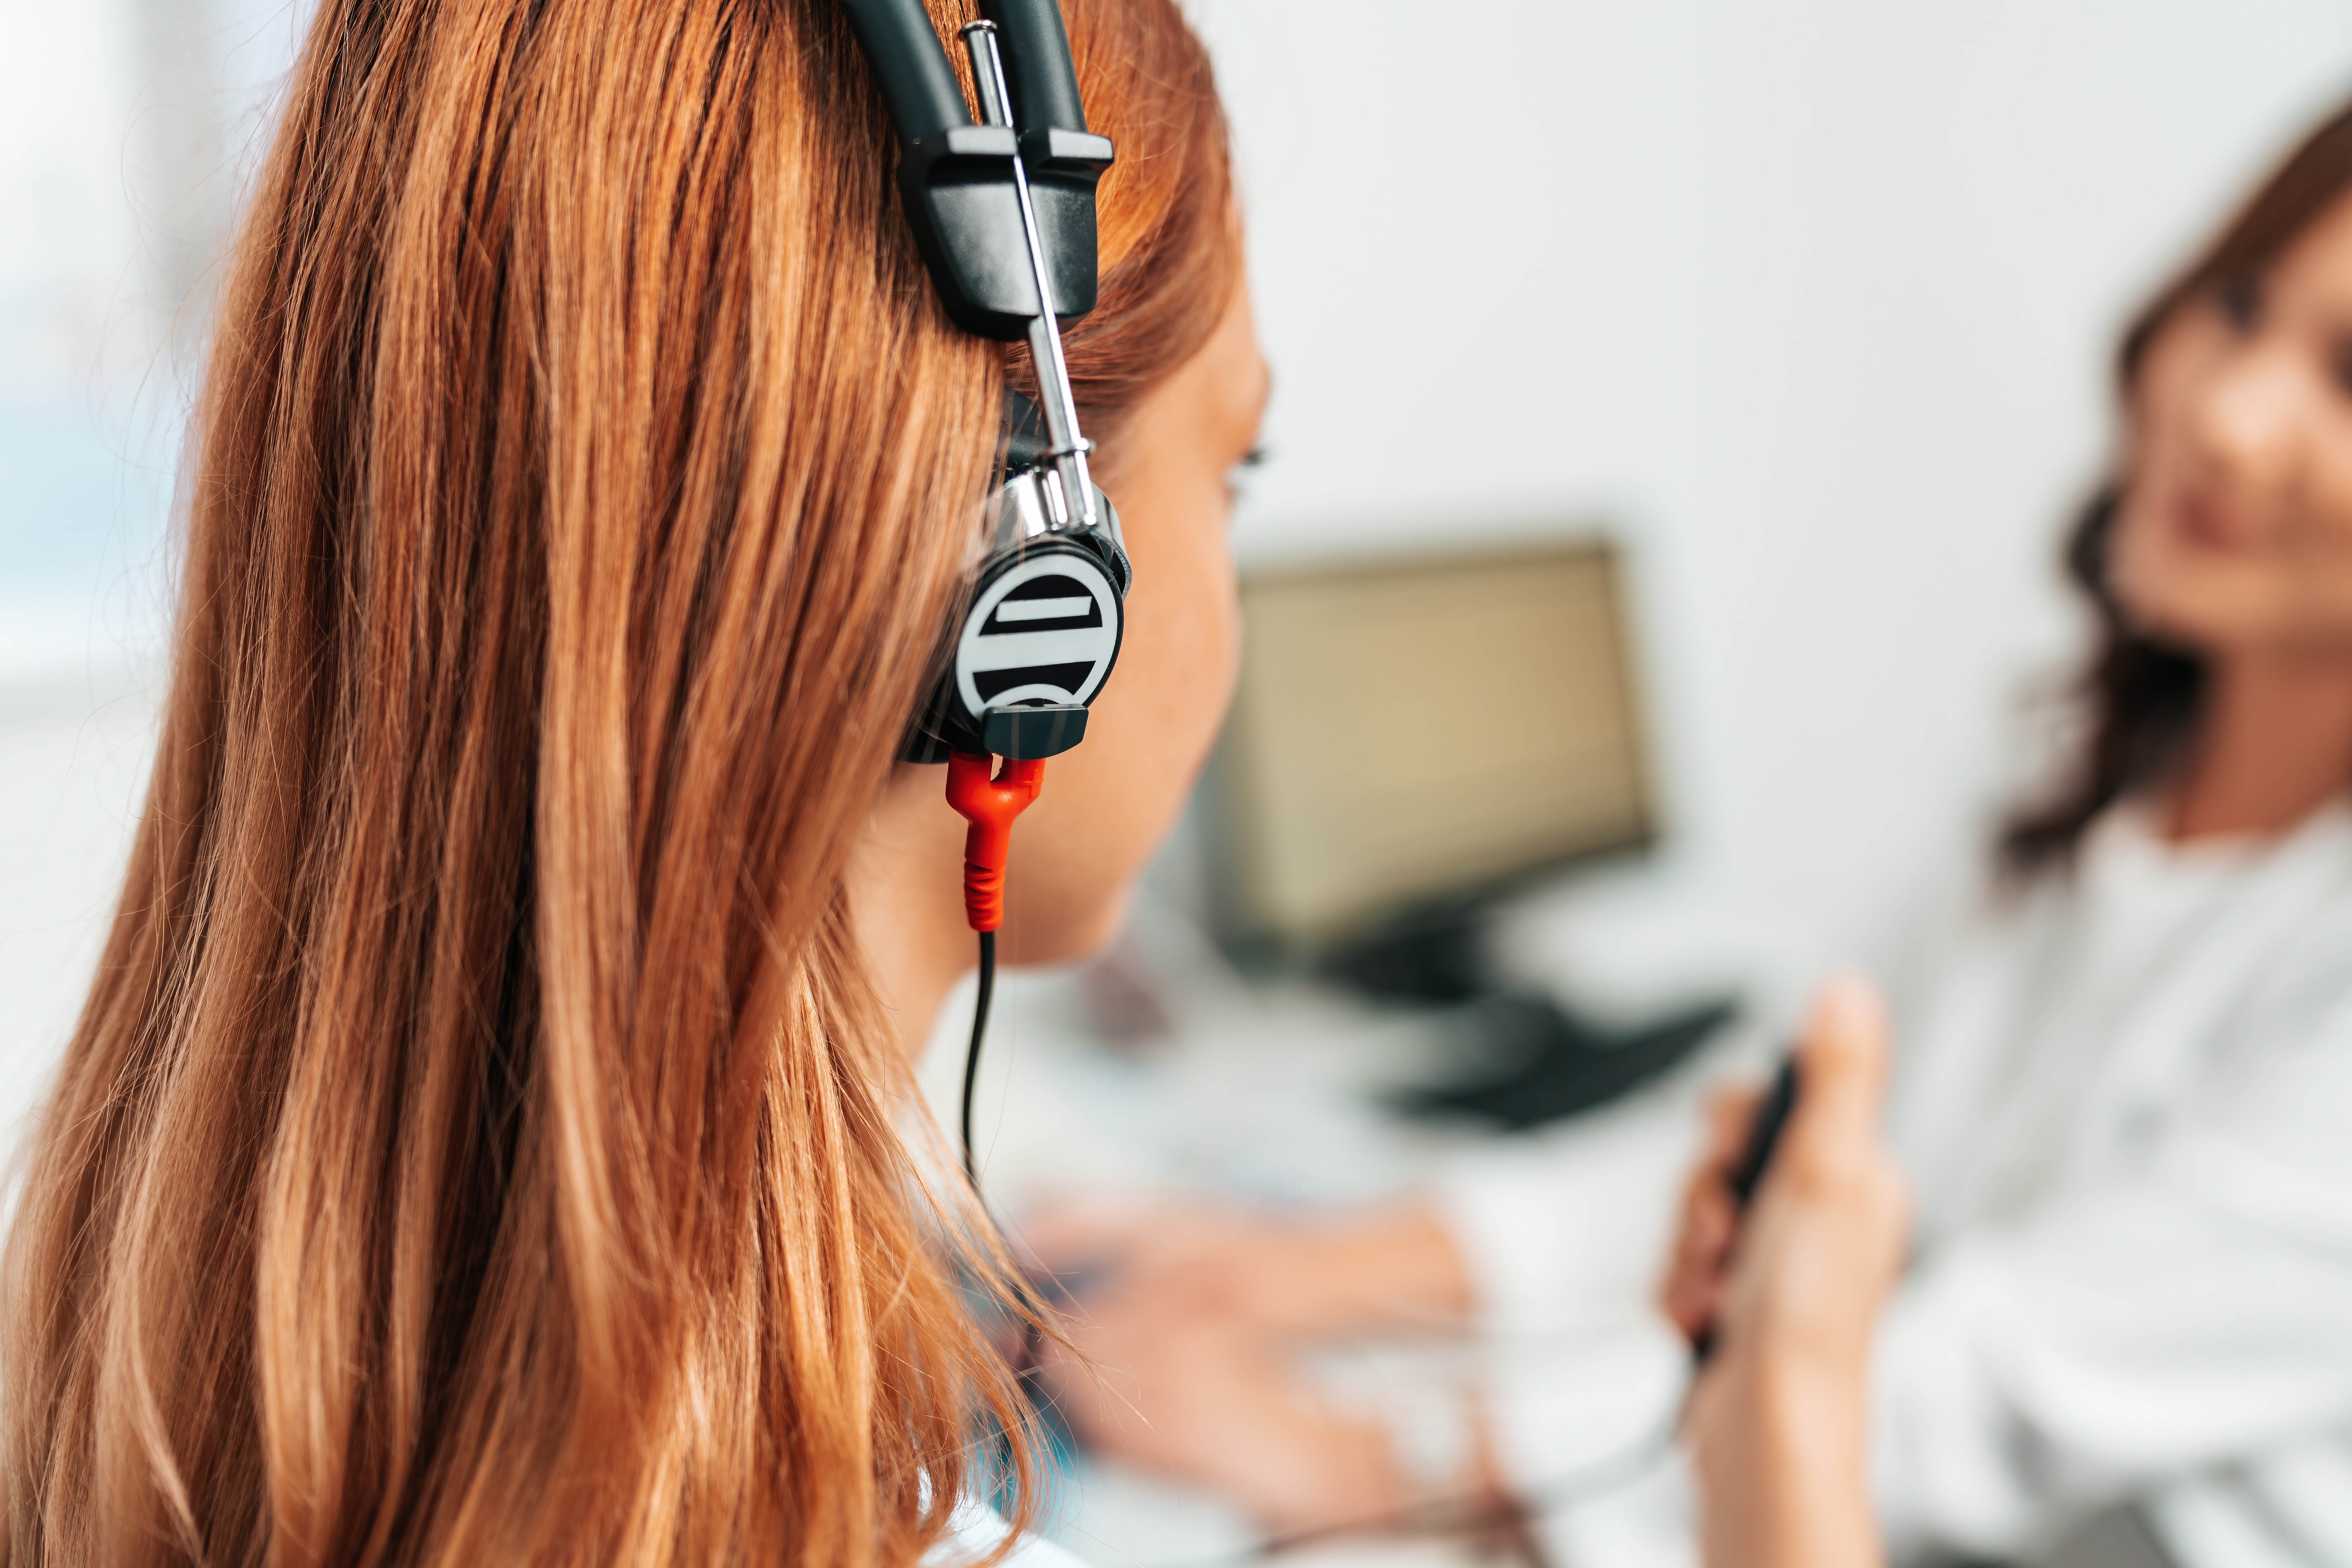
<point x="972" y="1057"/>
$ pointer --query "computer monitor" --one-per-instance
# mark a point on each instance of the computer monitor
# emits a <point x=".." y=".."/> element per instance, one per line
<point x="1408" y="735"/>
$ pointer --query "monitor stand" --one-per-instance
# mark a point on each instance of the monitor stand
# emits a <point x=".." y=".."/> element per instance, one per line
<point x="1526" y="1061"/>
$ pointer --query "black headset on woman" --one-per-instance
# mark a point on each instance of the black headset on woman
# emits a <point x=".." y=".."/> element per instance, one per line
<point x="1003" y="212"/>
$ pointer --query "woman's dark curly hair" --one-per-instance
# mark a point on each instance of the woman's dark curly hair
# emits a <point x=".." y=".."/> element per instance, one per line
<point x="2143" y="698"/>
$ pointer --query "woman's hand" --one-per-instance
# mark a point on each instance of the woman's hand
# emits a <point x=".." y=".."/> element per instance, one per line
<point x="1212" y="1402"/>
<point x="1298" y="1278"/>
<point x="1778" y="1422"/>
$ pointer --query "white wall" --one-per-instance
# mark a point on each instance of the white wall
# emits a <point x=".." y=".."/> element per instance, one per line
<point x="1813" y="297"/>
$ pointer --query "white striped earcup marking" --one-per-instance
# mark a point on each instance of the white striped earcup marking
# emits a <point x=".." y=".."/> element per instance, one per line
<point x="1046" y="630"/>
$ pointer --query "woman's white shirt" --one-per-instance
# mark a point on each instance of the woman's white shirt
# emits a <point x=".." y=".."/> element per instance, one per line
<point x="2125" y="1097"/>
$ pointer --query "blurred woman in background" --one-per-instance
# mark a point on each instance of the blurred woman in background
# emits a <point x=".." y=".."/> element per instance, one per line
<point x="2125" y="1093"/>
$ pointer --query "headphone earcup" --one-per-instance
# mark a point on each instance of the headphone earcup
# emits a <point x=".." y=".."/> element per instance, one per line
<point x="1042" y="632"/>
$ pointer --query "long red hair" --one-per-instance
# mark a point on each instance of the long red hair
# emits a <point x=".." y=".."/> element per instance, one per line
<point x="481" y="1141"/>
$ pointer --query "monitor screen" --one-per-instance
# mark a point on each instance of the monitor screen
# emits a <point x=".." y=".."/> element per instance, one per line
<point x="1413" y="734"/>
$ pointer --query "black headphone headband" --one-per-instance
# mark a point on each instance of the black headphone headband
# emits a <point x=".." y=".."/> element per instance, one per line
<point x="955" y="177"/>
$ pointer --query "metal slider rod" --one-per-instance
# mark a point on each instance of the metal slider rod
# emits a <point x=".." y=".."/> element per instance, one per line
<point x="1061" y="405"/>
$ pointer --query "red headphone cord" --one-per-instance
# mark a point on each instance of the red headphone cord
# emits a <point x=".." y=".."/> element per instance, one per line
<point x="989" y="801"/>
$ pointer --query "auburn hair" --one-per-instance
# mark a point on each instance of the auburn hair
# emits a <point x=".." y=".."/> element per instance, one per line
<point x="2141" y="698"/>
<point x="482" y="1142"/>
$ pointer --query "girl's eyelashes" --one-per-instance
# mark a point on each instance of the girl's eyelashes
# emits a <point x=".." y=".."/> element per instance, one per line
<point x="1237" y="477"/>
<point x="2241" y="303"/>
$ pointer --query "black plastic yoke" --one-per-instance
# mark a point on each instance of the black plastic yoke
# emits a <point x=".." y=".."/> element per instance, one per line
<point x="955" y="178"/>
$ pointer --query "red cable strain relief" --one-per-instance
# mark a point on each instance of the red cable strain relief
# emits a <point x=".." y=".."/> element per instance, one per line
<point x="990" y="805"/>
